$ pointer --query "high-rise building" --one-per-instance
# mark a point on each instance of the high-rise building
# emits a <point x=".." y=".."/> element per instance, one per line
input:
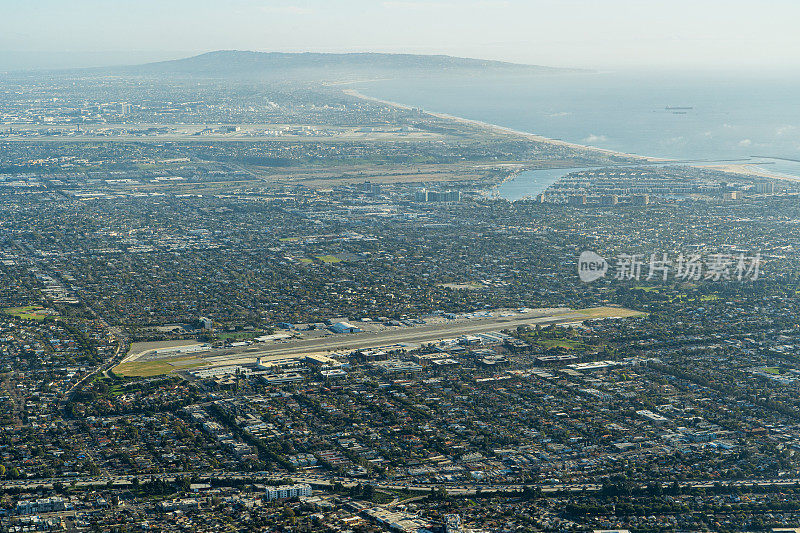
<point x="730" y="195"/>
<point x="767" y="187"/>
<point x="609" y="199"/>
<point x="425" y="195"/>
<point x="370" y="188"/>
<point x="577" y="200"/>
<point x="445" y="196"/>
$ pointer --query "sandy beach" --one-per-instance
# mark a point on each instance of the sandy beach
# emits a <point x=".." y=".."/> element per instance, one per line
<point x="753" y="169"/>
<point x="504" y="130"/>
<point x="745" y="169"/>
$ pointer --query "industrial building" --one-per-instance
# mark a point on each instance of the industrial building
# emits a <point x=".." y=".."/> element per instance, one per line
<point x="288" y="491"/>
<point x="344" y="327"/>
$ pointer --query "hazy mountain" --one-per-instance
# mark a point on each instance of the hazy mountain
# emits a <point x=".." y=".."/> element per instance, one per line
<point x="227" y="63"/>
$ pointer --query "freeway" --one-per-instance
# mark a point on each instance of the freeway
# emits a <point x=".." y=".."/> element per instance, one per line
<point x="414" y="335"/>
<point x="323" y="481"/>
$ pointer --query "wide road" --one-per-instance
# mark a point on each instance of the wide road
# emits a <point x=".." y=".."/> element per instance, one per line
<point x="319" y="480"/>
<point x="423" y="334"/>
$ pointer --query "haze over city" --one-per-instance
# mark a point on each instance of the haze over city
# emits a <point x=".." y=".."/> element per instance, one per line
<point x="570" y="33"/>
<point x="399" y="266"/>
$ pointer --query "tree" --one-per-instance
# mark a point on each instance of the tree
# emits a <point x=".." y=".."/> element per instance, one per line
<point x="369" y="492"/>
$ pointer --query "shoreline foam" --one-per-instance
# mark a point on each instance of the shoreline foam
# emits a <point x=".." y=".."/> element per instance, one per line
<point x="503" y="129"/>
<point x="751" y="169"/>
<point x="746" y="169"/>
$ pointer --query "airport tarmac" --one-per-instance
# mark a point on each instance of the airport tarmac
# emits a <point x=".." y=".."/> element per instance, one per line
<point x="411" y="336"/>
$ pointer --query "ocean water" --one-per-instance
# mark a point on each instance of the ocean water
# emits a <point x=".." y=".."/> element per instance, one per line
<point x="683" y="116"/>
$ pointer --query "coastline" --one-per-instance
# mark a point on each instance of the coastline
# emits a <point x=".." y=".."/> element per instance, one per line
<point x="505" y="130"/>
<point x="751" y="169"/>
<point x="741" y="169"/>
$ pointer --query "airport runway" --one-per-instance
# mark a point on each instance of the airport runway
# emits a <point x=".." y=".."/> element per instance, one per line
<point x="414" y="335"/>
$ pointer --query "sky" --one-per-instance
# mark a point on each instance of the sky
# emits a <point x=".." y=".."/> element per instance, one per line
<point x="696" y="34"/>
